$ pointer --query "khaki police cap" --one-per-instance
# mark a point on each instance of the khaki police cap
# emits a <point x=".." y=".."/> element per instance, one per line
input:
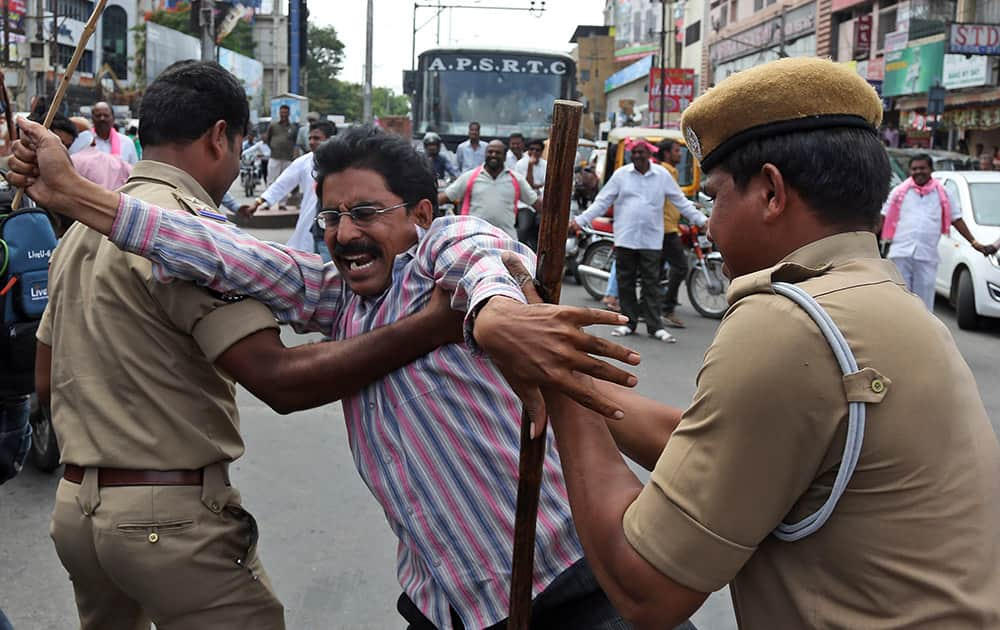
<point x="784" y="96"/>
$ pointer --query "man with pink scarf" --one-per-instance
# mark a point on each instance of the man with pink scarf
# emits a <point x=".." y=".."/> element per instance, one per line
<point x="914" y="217"/>
<point x="106" y="139"/>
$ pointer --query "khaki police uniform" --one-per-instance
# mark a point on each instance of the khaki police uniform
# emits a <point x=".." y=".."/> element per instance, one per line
<point x="914" y="540"/>
<point x="135" y="393"/>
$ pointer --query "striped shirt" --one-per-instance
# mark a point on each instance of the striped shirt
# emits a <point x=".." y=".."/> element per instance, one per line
<point x="437" y="441"/>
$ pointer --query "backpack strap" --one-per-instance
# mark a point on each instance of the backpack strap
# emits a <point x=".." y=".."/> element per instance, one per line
<point x="790" y="532"/>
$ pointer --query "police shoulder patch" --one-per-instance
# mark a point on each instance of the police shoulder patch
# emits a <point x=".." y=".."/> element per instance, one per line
<point x="199" y="208"/>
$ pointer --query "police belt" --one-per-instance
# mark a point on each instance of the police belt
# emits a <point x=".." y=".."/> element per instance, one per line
<point x="111" y="477"/>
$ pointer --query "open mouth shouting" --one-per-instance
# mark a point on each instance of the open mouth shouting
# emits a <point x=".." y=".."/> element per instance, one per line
<point x="358" y="261"/>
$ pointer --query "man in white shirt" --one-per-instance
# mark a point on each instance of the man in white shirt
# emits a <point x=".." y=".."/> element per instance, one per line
<point x="914" y="217"/>
<point x="300" y="174"/>
<point x="532" y="168"/>
<point x="491" y="192"/>
<point x="638" y="191"/>
<point x="516" y="150"/>
<point x="472" y="152"/>
<point x="106" y="139"/>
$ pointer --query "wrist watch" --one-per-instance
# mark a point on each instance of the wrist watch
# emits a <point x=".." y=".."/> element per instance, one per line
<point x="261" y="202"/>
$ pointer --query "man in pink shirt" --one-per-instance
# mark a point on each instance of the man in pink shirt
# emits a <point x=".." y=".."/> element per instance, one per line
<point x="104" y="169"/>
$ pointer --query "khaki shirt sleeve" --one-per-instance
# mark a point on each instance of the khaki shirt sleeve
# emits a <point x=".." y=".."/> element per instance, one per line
<point x="215" y="324"/>
<point x="769" y="401"/>
<point x="44" y="332"/>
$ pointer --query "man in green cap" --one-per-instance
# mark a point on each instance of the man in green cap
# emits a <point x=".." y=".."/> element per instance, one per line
<point x="831" y="481"/>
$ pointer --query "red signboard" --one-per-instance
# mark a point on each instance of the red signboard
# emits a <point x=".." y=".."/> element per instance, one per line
<point x="679" y="89"/>
<point x="863" y="36"/>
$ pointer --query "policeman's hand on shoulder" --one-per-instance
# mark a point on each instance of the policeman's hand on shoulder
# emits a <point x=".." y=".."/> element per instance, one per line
<point x="40" y="164"/>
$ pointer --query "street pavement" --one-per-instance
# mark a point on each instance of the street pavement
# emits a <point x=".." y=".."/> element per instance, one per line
<point x="324" y="541"/>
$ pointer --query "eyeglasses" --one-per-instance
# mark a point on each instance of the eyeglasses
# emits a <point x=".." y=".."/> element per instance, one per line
<point x="363" y="215"/>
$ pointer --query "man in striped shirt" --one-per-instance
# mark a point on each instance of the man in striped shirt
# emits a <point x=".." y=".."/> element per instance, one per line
<point x="437" y="441"/>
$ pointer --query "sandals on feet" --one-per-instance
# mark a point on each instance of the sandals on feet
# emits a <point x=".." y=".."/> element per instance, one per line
<point x="621" y="331"/>
<point x="663" y="336"/>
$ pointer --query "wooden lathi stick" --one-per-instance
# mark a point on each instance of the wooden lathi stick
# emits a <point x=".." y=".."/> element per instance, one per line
<point x="81" y="46"/>
<point x="548" y="274"/>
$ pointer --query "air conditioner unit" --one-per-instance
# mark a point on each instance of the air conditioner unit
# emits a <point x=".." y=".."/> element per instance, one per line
<point x="39" y="57"/>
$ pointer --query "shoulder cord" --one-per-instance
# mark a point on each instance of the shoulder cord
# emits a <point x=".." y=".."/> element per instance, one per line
<point x="790" y="532"/>
<point x="5" y="258"/>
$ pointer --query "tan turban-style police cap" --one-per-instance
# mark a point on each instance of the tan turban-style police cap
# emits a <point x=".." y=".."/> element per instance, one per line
<point x="784" y="96"/>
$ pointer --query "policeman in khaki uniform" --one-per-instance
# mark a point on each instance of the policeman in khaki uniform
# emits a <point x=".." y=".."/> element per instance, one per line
<point x="145" y="519"/>
<point x="141" y="375"/>
<point x="847" y="481"/>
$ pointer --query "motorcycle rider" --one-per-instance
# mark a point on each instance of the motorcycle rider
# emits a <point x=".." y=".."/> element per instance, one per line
<point x="443" y="167"/>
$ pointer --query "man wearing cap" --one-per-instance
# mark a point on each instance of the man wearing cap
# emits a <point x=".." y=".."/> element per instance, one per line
<point x="909" y="533"/>
<point x="638" y="192"/>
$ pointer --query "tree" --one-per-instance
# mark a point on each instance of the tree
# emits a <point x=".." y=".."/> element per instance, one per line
<point x="385" y="102"/>
<point x="324" y="63"/>
<point x="328" y="94"/>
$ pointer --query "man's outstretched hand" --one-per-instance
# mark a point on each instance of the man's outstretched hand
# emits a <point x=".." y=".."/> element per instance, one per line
<point x="542" y="345"/>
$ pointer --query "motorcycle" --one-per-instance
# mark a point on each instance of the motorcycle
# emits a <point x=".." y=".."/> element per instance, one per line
<point x="706" y="283"/>
<point x="250" y="174"/>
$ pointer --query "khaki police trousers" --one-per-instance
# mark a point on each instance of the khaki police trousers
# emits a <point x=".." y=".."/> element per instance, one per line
<point x="183" y="557"/>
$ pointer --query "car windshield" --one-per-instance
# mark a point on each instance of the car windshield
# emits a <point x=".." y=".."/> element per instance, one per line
<point x="985" y="202"/>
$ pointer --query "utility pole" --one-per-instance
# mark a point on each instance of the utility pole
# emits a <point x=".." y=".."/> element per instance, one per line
<point x="663" y="61"/>
<point x="367" y="105"/>
<point x="207" y="22"/>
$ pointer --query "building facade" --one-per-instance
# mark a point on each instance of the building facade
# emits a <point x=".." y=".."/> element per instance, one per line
<point x="742" y="34"/>
<point x="901" y="47"/>
<point x="595" y="62"/>
<point x="638" y="25"/>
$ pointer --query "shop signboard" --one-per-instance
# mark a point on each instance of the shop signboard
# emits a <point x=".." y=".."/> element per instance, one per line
<point x="863" y="36"/>
<point x="896" y="40"/>
<point x="628" y="74"/>
<point x="876" y="69"/>
<point x="798" y="22"/>
<point x="974" y="39"/>
<point x="914" y="69"/>
<point x="679" y="89"/>
<point x="962" y="71"/>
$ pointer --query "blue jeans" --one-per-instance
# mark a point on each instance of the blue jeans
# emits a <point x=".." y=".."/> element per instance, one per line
<point x="15" y="438"/>
<point x="612" y="290"/>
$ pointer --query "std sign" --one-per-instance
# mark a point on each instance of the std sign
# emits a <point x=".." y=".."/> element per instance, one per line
<point x="974" y="39"/>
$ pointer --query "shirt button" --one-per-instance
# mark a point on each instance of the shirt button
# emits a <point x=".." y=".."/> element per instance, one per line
<point x="153" y="537"/>
<point x="878" y="386"/>
<point x="437" y="562"/>
<point x="409" y="510"/>
<point x="371" y="405"/>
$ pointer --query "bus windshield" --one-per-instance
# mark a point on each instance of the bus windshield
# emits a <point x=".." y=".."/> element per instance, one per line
<point x="503" y="92"/>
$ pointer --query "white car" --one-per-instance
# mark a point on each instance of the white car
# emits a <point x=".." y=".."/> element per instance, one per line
<point x="969" y="280"/>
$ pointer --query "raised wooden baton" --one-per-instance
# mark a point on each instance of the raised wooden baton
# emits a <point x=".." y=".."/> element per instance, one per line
<point x="548" y="274"/>
<point x="81" y="46"/>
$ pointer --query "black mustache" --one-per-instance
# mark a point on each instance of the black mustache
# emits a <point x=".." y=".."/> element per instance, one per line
<point x="355" y="248"/>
